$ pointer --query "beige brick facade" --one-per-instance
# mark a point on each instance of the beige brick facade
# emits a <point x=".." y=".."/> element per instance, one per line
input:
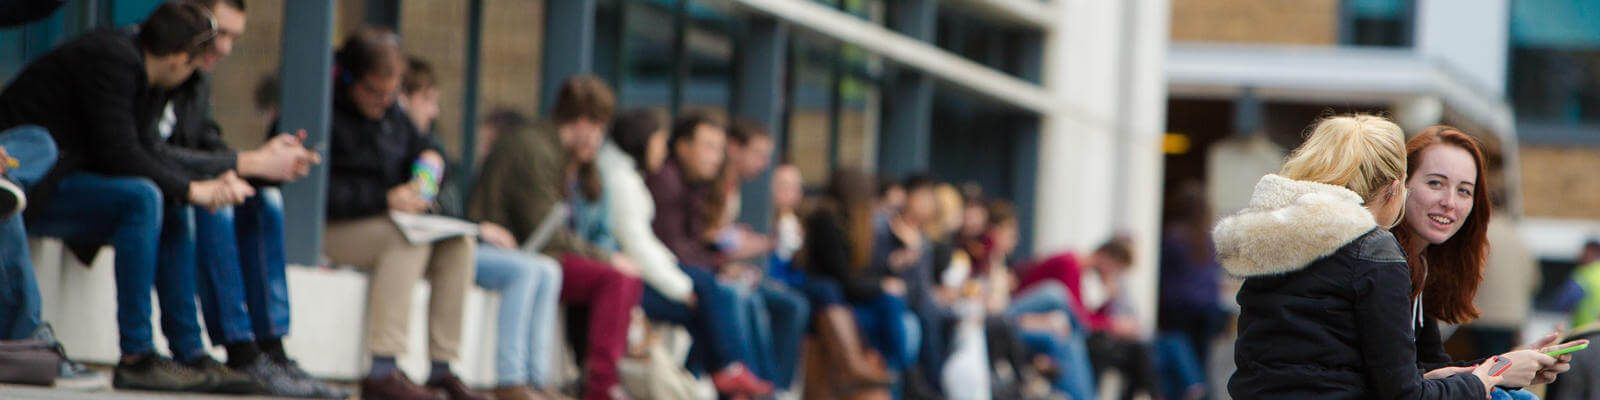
<point x="1307" y="22"/>
<point x="432" y="30"/>
<point x="1560" y="182"/>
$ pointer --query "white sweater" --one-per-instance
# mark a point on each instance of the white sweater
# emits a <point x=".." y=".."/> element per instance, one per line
<point x="632" y="209"/>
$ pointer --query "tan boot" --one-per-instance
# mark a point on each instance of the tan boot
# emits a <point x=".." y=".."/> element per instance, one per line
<point x="840" y="339"/>
<point x="818" y="384"/>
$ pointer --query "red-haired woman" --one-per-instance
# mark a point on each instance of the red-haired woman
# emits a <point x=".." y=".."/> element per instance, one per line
<point x="1445" y="235"/>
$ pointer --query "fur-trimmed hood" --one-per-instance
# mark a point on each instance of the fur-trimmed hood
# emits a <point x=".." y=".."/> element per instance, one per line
<point x="1288" y="225"/>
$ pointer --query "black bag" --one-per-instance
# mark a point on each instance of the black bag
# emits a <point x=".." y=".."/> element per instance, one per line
<point x="28" y="362"/>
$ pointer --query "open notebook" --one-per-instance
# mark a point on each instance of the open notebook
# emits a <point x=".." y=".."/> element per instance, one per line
<point x="428" y="228"/>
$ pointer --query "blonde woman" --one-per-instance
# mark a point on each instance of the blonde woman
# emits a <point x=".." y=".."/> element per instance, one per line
<point x="1325" y="308"/>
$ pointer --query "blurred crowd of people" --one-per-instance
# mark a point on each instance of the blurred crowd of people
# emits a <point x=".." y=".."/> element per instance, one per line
<point x="872" y="287"/>
<point x="623" y="227"/>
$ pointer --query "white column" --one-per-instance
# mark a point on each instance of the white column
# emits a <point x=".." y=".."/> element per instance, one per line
<point x="1142" y="162"/>
<point x="1077" y="135"/>
<point x="1469" y="35"/>
<point x="1100" y="164"/>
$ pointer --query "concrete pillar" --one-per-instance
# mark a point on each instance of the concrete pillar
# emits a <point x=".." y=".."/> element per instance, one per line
<point x="759" y="97"/>
<point x="904" y="143"/>
<point x="569" y="46"/>
<point x="308" y="104"/>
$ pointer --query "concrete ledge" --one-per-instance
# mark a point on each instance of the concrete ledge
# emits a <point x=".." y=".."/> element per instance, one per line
<point x="328" y="313"/>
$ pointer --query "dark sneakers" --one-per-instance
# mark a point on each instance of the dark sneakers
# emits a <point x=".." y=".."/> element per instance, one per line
<point x="281" y="382"/>
<point x="323" y="390"/>
<point x="277" y="381"/>
<point x="154" y="372"/>
<point x="225" y="380"/>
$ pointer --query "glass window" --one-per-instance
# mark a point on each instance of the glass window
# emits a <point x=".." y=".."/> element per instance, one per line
<point x="1377" y="23"/>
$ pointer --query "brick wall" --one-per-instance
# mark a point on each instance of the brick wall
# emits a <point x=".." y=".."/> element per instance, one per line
<point x="233" y="83"/>
<point x="1311" y="22"/>
<point x="433" y="30"/>
<point x="1559" y="182"/>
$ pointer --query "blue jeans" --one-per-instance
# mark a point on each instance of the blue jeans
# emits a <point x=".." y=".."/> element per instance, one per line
<point x="19" y="293"/>
<point x="714" y="323"/>
<point x="177" y="284"/>
<point x="1180" y="367"/>
<point x="244" y="291"/>
<point x="823" y="292"/>
<point x="91" y="208"/>
<point x="530" y="289"/>
<point x="777" y="317"/>
<point x="35" y="153"/>
<point x="889" y="327"/>
<point x="1502" y="394"/>
<point x="1071" y="356"/>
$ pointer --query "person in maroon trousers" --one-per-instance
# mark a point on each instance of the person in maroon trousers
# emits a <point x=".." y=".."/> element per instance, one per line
<point x="528" y="174"/>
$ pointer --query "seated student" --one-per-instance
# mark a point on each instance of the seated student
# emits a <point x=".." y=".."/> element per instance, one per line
<point x="98" y="96"/>
<point x="373" y="148"/>
<point x="21" y="318"/>
<point x="1113" y="340"/>
<point x="240" y="250"/>
<point x="900" y="248"/>
<point x="777" y="313"/>
<point x="1039" y="320"/>
<point x="674" y="293"/>
<point x="529" y="284"/>
<point x="683" y="192"/>
<point x="525" y="180"/>
<point x="838" y="247"/>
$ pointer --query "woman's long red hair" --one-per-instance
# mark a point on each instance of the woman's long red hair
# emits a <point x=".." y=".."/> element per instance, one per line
<point x="1453" y="268"/>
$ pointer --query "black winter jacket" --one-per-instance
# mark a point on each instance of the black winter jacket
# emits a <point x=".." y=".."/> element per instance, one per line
<point x="94" y="97"/>
<point x="196" y="142"/>
<point x="367" y="157"/>
<point x="1325" y="308"/>
<point x="827" y="253"/>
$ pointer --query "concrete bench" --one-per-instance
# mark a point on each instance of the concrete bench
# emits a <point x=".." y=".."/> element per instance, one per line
<point x="327" y="332"/>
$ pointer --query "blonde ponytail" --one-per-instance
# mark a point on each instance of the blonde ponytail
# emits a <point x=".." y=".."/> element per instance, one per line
<point x="1360" y="152"/>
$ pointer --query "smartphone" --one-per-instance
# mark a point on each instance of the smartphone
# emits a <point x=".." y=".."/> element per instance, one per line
<point x="1568" y="349"/>
<point x="1501" y="364"/>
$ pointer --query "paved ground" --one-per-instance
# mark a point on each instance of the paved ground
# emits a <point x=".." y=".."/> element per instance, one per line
<point x="13" y="392"/>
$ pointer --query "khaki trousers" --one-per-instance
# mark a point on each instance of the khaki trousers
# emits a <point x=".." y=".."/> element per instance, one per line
<point x="376" y="244"/>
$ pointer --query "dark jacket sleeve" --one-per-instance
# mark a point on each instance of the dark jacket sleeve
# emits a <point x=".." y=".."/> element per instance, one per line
<point x="17" y="12"/>
<point x="1430" y="349"/>
<point x="829" y="255"/>
<point x="110" y="98"/>
<point x="197" y="143"/>
<point x="1381" y="290"/>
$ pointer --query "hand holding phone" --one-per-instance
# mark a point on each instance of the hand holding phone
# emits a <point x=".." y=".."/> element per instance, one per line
<point x="1568" y="347"/>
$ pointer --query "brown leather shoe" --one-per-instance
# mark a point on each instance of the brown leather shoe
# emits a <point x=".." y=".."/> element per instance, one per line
<point x="456" y="389"/>
<point x="517" y="393"/>
<point x="395" y="386"/>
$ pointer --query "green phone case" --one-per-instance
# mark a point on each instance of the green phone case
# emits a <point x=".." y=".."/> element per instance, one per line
<point x="1568" y="350"/>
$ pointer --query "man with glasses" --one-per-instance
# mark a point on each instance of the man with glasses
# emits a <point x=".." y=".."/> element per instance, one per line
<point x="239" y="255"/>
<point x="99" y="96"/>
